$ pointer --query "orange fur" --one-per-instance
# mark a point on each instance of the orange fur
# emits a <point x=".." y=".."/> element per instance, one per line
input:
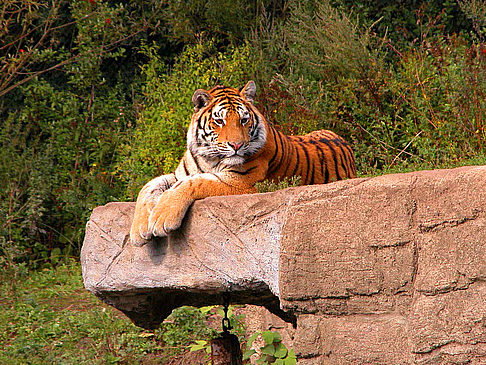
<point x="230" y="148"/>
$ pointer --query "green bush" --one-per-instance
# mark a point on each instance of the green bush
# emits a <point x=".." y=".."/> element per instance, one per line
<point x="419" y="103"/>
<point x="267" y="186"/>
<point x="60" y="129"/>
<point x="49" y="318"/>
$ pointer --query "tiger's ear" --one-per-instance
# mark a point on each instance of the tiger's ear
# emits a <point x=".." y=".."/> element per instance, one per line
<point x="200" y="99"/>
<point x="249" y="91"/>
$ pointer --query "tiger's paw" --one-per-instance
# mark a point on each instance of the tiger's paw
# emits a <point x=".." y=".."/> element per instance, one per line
<point x="139" y="231"/>
<point x="168" y="213"/>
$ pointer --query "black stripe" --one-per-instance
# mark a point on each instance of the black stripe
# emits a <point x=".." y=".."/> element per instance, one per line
<point x="185" y="167"/>
<point x="302" y="145"/>
<point x="333" y="153"/>
<point x="296" y="162"/>
<point x="287" y="154"/>
<point x="199" y="169"/>
<point x="354" y="161"/>
<point x="348" y="155"/>
<point x="207" y="134"/>
<point x="282" y="147"/>
<point x="338" y="144"/>
<point x="218" y="90"/>
<point x="243" y="172"/>
<point x="346" y="162"/>
<point x="351" y="157"/>
<point x="287" y="151"/>
<point x="271" y="169"/>
<point x="313" y="168"/>
<point x="343" y="163"/>
<point x="325" y="172"/>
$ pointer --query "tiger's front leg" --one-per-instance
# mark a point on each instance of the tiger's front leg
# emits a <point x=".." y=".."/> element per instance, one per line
<point x="146" y="201"/>
<point x="168" y="213"/>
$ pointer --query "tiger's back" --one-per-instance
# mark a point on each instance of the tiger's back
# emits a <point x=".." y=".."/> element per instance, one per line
<point x="319" y="157"/>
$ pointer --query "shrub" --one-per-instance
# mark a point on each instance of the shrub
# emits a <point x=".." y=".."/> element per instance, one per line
<point x="60" y="128"/>
<point x="396" y="104"/>
<point x="267" y="186"/>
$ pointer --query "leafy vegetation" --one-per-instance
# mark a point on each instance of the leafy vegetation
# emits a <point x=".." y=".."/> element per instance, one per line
<point x="48" y="318"/>
<point x="95" y="100"/>
<point x="268" y="186"/>
<point x="269" y="351"/>
<point x="399" y="104"/>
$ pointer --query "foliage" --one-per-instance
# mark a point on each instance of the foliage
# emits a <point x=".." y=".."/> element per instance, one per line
<point x="420" y="103"/>
<point x="475" y="10"/>
<point x="159" y="139"/>
<point x="199" y="345"/>
<point x="268" y="186"/>
<point x="38" y="37"/>
<point x="48" y="318"/>
<point x="191" y="19"/>
<point x="59" y="131"/>
<point x="185" y="325"/>
<point x="230" y="21"/>
<point x="270" y="351"/>
<point x="403" y="21"/>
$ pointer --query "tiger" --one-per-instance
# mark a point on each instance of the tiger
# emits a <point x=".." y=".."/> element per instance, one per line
<point x="231" y="147"/>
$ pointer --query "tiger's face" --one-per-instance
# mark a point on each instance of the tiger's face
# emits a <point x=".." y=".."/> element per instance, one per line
<point x="226" y="128"/>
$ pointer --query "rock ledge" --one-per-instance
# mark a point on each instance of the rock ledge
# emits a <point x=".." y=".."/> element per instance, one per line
<point x="386" y="270"/>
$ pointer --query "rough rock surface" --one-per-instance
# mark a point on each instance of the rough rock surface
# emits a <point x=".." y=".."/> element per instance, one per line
<point x="225" y="245"/>
<point x="386" y="270"/>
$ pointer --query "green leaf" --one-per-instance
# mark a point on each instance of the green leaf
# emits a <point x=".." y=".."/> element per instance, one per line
<point x="268" y="336"/>
<point x="290" y="361"/>
<point x="269" y="350"/>
<point x="252" y="338"/>
<point x="199" y="345"/>
<point x="280" y="350"/>
<point x="276" y="337"/>
<point x="247" y="354"/>
<point x="206" y="310"/>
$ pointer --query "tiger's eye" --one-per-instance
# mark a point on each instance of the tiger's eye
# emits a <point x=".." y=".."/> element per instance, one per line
<point x="218" y="122"/>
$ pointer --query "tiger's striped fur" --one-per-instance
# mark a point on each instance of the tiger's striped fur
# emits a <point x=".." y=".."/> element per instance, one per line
<point x="230" y="147"/>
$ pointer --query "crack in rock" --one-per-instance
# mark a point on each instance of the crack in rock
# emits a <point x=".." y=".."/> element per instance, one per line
<point x="434" y="226"/>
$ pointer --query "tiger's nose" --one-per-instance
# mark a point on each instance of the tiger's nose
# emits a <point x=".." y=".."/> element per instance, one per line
<point x="235" y="145"/>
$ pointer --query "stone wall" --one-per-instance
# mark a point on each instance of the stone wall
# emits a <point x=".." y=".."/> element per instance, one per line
<point x="386" y="270"/>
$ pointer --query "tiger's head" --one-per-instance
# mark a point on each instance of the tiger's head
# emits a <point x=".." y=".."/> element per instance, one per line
<point x="226" y="127"/>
